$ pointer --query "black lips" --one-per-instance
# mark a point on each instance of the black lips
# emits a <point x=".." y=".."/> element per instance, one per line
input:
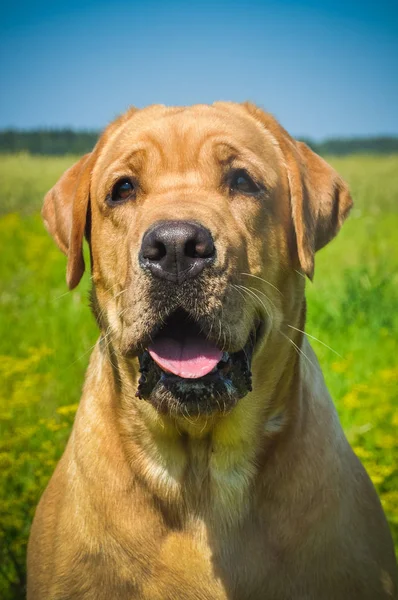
<point x="219" y="390"/>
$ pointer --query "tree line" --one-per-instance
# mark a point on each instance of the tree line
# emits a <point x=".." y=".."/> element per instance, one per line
<point x="69" y="141"/>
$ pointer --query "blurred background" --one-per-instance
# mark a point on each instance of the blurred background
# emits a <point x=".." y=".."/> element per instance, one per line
<point x="327" y="71"/>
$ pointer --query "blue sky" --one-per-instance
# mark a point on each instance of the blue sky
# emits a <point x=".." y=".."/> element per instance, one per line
<point x="324" y="68"/>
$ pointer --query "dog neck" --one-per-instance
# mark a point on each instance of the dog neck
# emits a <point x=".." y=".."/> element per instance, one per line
<point x="207" y="465"/>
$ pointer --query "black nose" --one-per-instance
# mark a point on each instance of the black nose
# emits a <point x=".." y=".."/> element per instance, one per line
<point x="177" y="250"/>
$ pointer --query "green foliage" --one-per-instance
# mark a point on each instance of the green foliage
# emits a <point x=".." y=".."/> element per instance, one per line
<point x="45" y="340"/>
<point x="352" y="309"/>
<point x="24" y="180"/>
<point x="46" y="335"/>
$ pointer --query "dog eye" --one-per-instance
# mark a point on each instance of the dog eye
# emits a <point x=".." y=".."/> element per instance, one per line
<point x="242" y="182"/>
<point x="123" y="190"/>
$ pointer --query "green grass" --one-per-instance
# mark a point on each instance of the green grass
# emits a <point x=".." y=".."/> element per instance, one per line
<point x="46" y="334"/>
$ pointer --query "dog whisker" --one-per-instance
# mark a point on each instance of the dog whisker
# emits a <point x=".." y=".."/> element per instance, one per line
<point x="297" y="348"/>
<point x="120" y="293"/>
<point x="252" y="293"/>
<point x="220" y="332"/>
<point x="244" y="300"/>
<point x="262" y="293"/>
<point x="123" y="312"/>
<point x="211" y="328"/>
<point x="315" y="338"/>
<point x="264" y="280"/>
<point x="63" y="295"/>
<point x="187" y="415"/>
<point x="299" y="273"/>
<point x="85" y="353"/>
<point x="204" y="425"/>
<point x="223" y="331"/>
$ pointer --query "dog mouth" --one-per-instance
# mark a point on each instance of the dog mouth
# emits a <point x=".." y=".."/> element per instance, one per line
<point x="182" y="370"/>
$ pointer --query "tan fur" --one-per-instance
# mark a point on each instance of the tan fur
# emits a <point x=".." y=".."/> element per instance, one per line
<point x="266" y="501"/>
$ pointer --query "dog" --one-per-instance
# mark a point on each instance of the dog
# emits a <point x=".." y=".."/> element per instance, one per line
<point x="206" y="461"/>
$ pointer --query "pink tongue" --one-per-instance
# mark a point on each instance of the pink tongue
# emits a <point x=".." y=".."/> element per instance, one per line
<point x="190" y="358"/>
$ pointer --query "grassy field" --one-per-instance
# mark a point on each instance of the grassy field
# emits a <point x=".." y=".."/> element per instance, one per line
<point x="46" y="335"/>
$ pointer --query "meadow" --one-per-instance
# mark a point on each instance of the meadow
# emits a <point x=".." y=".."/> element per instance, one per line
<point x="46" y="334"/>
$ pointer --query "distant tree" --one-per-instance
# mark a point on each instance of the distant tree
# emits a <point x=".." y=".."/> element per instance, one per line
<point x="68" y="141"/>
<point x="360" y="145"/>
<point x="47" y="141"/>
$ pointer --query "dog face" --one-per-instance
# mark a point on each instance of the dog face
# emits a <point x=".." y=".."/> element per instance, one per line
<point x="198" y="221"/>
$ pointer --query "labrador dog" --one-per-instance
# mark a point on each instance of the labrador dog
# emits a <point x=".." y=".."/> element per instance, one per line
<point x="206" y="461"/>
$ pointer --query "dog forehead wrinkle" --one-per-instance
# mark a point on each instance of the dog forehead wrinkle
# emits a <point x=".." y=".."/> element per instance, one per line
<point x="180" y="141"/>
<point x="189" y="125"/>
<point x="173" y="181"/>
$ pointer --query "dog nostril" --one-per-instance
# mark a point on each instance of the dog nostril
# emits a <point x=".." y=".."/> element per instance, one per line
<point x="196" y="249"/>
<point x="204" y="249"/>
<point x="155" y="251"/>
<point x="190" y="249"/>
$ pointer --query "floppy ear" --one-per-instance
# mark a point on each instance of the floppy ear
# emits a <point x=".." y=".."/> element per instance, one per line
<point x="320" y="199"/>
<point x="66" y="204"/>
<point x="64" y="213"/>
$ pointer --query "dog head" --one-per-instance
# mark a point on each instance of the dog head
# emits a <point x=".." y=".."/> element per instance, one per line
<point x="200" y="222"/>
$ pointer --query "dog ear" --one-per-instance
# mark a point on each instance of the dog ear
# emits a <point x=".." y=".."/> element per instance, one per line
<point x="64" y="213"/>
<point x="66" y="204"/>
<point x="320" y="199"/>
<point x="321" y="202"/>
